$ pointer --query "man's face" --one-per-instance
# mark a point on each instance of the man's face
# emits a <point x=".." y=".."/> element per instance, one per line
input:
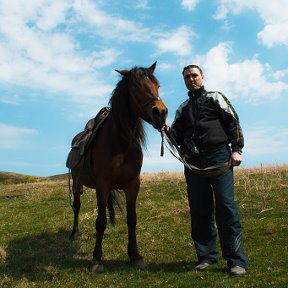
<point x="193" y="79"/>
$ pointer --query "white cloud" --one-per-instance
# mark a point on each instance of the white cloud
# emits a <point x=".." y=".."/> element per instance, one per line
<point x="165" y="66"/>
<point x="274" y="16"/>
<point x="247" y="78"/>
<point x="11" y="99"/>
<point x="189" y="4"/>
<point x="143" y="4"/>
<point x="176" y="42"/>
<point x="107" y="26"/>
<point x="34" y="54"/>
<point x="39" y="48"/>
<point x="266" y="140"/>
<point x="53" y="15"/>
<point x="280" y="74"/>
<point x="14" y="137"/>
<point x="274" y="34"/>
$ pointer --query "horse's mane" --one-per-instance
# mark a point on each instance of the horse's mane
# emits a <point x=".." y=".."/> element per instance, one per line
<point x="121" y="109"/>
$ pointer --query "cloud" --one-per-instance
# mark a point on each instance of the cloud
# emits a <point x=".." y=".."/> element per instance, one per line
<point x="266" y="140"/>
<point x="143" y="4"/>
<point x="189" y="4"/>
<point x="107" y="26"/>
<point x="38" y="51"/>
<point x="176" y="42"/>
<point x="14" y="137"/>
<point x="9" y="99"/>
<point x="274" y="16"/>
<point x="247" y="78"/>
<point x="165" y="66"/>
<point x="41" y="47"/>
<point x="114" y="28"/>
<point x="280" y="74"/>
<point x="274" y="34"/>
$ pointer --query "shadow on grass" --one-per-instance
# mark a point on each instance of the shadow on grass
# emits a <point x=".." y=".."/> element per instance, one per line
<point x="112" y="266"/>
<point x="182" y="267"/>
<point x="43" y="256"/>
<point x="40" y="257"/>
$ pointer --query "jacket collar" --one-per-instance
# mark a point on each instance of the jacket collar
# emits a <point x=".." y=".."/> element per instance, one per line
<point x="197" y="93"/>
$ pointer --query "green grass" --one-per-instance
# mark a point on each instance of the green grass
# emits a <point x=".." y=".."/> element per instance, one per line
<point x="36" y="220"/>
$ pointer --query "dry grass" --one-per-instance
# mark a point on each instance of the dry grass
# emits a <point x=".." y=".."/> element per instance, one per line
<point x="171" y="175"/>
<point x="262" y="179"/>
<point x="31" y="190"/>
<point x="2" y="253"/>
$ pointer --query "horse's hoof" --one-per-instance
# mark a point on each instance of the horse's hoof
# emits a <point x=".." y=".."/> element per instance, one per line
<point x="138" y="263"/>
<point x="75" y="236"/>
<point x="96" y="267"/>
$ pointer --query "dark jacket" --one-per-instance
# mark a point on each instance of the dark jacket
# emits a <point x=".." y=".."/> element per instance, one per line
<point x="209" y="119"/>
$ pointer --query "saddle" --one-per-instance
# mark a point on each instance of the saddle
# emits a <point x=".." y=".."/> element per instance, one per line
<point x="82" y="141"/>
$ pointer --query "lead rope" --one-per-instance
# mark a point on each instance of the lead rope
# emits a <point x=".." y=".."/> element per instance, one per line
<point x="71" y="198"/>
<point x="177" y="153"/>
<point x="162" y="144"/>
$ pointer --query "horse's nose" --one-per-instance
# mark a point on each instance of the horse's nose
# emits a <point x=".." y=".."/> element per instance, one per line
<point x="159" y="115"/>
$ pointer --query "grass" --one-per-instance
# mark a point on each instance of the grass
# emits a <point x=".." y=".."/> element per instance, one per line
<point x="35" y="223"/>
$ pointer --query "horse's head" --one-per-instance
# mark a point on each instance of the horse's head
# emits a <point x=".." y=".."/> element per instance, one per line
<point x="144" y="99"/>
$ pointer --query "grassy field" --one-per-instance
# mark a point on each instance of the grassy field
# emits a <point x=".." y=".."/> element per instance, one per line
<point x="36" y="219"/>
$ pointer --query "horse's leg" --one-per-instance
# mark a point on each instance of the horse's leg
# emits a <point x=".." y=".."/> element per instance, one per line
<point x="131" y="196"/>
<point x="101" y="223"/>
<point x="77" y="191"/>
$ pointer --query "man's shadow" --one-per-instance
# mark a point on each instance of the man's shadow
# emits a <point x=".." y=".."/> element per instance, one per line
<point x="39" y="257"/>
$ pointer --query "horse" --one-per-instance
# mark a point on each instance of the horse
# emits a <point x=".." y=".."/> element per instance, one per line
<point x="114" y="159"/>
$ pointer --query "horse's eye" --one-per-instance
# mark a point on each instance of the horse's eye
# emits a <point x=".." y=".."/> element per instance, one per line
<point x="147" y="78"/>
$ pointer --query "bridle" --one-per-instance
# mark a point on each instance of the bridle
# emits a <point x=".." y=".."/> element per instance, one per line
<point x="143" y="106"/>
<point x="151" y="99"/>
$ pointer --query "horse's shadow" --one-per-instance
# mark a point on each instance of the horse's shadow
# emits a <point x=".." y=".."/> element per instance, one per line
<point x="39" y="257"/>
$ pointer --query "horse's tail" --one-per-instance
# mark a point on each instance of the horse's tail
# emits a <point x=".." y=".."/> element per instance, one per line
<point x="114" y="200"/>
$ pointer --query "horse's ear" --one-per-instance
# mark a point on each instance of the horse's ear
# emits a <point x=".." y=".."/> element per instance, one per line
<point x="122" y="72"/>
<point x="152" y="67"/>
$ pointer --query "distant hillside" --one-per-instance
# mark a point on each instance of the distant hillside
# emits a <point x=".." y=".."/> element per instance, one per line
<point x="16" y="178"/>
<point x="57" y="177"/>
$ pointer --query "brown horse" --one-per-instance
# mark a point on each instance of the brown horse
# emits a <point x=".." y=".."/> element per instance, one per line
<point x="115" y="158"/>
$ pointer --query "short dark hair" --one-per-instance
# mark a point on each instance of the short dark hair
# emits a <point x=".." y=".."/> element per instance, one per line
<point x="192" y="66"/>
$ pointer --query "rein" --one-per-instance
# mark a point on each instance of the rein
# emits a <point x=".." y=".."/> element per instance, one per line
<point x="172" y="146"/>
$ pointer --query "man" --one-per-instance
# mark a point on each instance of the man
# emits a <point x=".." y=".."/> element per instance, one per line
<point x="207" y="129"/>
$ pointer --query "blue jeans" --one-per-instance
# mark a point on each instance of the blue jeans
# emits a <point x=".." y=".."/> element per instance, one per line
<point x="211" y="202"/>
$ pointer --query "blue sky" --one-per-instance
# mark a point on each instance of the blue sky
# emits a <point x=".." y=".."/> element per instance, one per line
<point x="57" y="62"/>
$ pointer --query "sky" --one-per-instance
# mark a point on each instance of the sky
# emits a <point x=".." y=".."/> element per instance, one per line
<point x="58" y="61"/>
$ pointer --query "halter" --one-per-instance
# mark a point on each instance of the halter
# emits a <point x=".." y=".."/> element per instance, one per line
<point x="151" y="99"/>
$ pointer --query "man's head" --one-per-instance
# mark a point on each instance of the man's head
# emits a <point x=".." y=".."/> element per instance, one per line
<point x="193" y="77"/>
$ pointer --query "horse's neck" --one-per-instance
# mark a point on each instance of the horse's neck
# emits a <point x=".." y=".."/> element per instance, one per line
<point x="128" y="130"/>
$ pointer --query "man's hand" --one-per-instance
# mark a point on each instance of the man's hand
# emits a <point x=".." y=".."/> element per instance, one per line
<point x="164" y="127"/>
<point x="235" y="159"/>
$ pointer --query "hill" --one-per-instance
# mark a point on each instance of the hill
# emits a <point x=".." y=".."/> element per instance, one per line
<point x="17" y="178"/>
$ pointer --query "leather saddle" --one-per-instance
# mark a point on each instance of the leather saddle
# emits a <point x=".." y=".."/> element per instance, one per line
<point x="82" y="141"/>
